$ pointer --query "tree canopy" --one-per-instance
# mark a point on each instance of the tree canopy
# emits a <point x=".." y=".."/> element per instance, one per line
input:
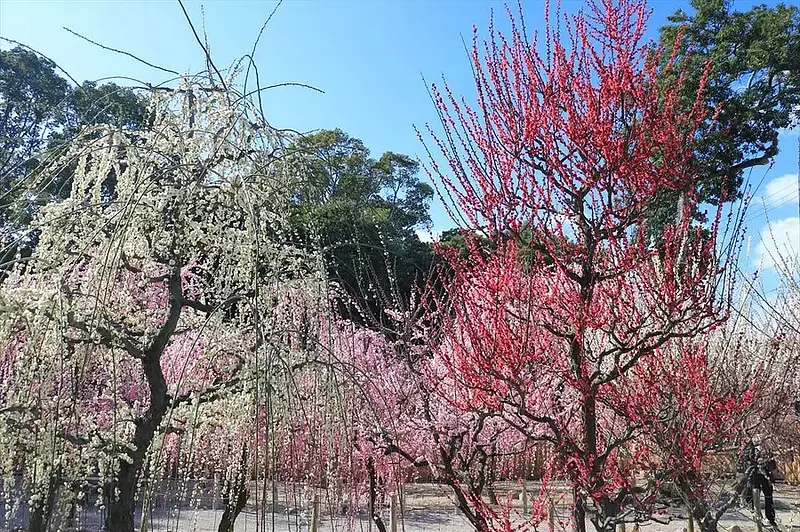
<point x="753" y="82"/>
<point x="363" y="212"/>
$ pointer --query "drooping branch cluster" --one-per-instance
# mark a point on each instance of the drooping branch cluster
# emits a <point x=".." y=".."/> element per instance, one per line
<point x="162" y="285"/>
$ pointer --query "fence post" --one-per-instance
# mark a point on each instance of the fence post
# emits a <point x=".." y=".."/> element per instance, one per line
<point x="524" y="500"/>
<point x="393" y="513"/>
<point x="314" y="524"/>
<point x="635" y="526"/>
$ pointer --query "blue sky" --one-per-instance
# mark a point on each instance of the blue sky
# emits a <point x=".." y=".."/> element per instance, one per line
<point x="368" y="56"/>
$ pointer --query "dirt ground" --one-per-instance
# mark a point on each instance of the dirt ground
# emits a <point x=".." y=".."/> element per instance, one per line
<point x="427" y="508"/>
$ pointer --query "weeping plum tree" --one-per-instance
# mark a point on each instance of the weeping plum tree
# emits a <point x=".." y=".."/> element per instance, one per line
<point x="558" y="164"/>
<point x="139" y="310"/>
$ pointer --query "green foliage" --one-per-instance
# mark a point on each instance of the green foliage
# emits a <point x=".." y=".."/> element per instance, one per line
<point x="754" y="79"/>
<point x="33" y="104"/>
<point x="106" y="104"/>
<point x="363" y="212"/>
<point x="343" y="173"/>
<point x="40" y="114"/>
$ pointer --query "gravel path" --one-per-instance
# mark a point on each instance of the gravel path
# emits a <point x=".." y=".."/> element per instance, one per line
<point x="429" y="509"/>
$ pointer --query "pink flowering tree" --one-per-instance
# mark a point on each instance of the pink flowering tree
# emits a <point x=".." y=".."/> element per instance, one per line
<point x="408" y="422"/>
<point x="557" y="165"/>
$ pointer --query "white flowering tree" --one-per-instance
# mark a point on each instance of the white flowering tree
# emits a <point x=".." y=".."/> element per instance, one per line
<point x="162" y="297"/>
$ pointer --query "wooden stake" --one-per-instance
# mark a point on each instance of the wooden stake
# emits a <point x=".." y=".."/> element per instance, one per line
<point x="314" y="524"/>
<point x="393" y="513"/>
<point x="402" y="489"/>
<point x="524" y="501"/>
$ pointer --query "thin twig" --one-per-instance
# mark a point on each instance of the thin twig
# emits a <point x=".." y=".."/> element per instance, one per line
<point x="25" y="46"/>
<point x="252" y="63"/>
<point x="200" y="42"/>
<point x="205" y="42"/>
<point x="285" y="84"/>
<point x="264" y="26"/>
<point x="110" y="49"/>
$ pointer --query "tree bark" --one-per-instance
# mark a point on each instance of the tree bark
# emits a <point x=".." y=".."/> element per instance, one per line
<point x="232" y="511"/>
<point x="578" y="510"/>
<point x="121" y="506"/>
<point x="373" y="495"/>
<point x="41" y="515"/>
<point x="589" y="414"/>
<point x="122" y="493"/>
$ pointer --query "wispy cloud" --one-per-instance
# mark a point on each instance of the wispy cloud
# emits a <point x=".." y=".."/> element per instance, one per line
<point x="780" y="191"/>
<point x="779" y="241"/>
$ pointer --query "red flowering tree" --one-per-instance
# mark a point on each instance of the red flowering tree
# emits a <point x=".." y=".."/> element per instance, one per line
<point x="557" y="165"/>
<point x="736" y="384"/>
<point x="689" y="427"/>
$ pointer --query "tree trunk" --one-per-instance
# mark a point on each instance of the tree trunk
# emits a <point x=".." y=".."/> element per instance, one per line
<point x="121" y="506"/>
<point x="706" y="514"/>
<point x="492" y="476"/>
<point x="122" y="493"/>
<point x="373" y="496"/>
<point x="589" y="414"/>
<point x="232" y="511"/>
<point x="578" y="510"/>
<point x="703" y="516"/>
<point x="41" y="515"/>
<point x="473" y="515"/>
<point x="608" y="510"/>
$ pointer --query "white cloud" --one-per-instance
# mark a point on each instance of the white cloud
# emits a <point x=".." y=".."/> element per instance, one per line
<point x="428" y="235"/>
<point x="779" y="241"/>
<point x="780" y="191"/>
